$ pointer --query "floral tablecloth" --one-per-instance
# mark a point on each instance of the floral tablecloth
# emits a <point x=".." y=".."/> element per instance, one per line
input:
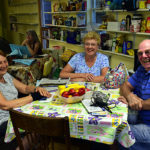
<point x="28" y="74"/>
<point x="103" y="129"/>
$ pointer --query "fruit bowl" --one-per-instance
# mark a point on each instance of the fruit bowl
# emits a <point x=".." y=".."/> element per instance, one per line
<point x="72" y="93"/>
<point x="71" y="100"/>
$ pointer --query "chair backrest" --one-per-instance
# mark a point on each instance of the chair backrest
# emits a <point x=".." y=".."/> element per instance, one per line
<point x="42" y="126"/>
<point x="48" y="67"/>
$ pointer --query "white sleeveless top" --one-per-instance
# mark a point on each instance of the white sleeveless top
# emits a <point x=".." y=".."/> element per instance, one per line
<point x="9" y="92"/>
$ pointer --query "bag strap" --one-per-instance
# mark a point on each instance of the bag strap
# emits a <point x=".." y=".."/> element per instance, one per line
<point x="126" y="71"/>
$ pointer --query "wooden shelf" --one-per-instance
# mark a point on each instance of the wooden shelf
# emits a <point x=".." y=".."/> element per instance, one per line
<point x="63" y="26"/>
<point x="23" y="23"/>
<point x="125" y="32"/>
<point x="14" y="14"/>
<point x="21" y="4"/>
<point x="66" y="12"/>
<point x="114" y="53"/>
<point x="62" y="41"/>
<point x="139" y="10"/>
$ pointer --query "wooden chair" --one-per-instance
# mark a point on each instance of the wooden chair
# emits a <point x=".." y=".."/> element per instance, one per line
<point x="40" y="131"/>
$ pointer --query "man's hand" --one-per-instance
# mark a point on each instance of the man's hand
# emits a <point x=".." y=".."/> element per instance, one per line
<point x="134" y="101"/>
<point x="122" y="99"/>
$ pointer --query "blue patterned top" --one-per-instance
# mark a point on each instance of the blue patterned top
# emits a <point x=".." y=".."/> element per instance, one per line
<point x="140" y="80"/>
<point x="77" y="62"/>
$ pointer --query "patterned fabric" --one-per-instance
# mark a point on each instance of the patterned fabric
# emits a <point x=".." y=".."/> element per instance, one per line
<point x="141" y="83"/>
<point x="79" y="65"/>
<point x="116" y="77"/>
<point x="29" y="74"/>
<point x="9" y="92"/>
<point x="103" y="128"/>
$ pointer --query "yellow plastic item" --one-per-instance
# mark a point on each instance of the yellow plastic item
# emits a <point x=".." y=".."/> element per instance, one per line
<point x="63" y="88"/>
<point x="130" y="52"/>
<point x="48" y="67"/>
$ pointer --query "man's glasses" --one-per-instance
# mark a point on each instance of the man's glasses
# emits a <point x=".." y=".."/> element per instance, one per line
<point x="92" y="44"/>
<point x="147" y="52"/>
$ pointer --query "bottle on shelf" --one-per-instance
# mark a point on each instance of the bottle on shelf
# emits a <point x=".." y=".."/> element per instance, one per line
<point x="136" y="22"/>
<point x="143" y="26"/>
<point x="148" y="25"/>
<point x="113" y="44"/>
<point x="78" y="37"/>
<point x="128" y="22"/>
<point x="107" y="4"/>
<point x="123" y="25"/>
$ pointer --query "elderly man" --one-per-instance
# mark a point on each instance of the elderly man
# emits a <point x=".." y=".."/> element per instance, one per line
<point x="137" y="95"/>
<point x="136" y="92"/>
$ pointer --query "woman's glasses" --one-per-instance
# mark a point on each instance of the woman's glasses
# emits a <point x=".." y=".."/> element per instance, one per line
<point x="90" y="44"/>
<point x="147" y="52"/>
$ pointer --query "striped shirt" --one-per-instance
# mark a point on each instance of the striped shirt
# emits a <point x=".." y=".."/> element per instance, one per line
<point x="141" y="83"/>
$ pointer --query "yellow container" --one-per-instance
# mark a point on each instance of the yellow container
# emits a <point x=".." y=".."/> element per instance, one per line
<point x="142" y="4"/>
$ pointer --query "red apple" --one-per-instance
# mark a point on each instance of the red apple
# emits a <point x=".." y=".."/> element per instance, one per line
<point x="65" y="94"/>
<point x="76" y="94"/>
<point x="81" y="91"/>
<point x="71" y="91"/>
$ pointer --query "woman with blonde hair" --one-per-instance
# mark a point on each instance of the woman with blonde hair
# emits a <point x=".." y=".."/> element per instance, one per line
<point x="90" y="65"/>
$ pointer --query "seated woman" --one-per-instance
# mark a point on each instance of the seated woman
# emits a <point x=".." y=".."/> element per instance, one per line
<point x="32" y="42"/>
<point x="9" y="88"/>
<point x="90" y="65"/>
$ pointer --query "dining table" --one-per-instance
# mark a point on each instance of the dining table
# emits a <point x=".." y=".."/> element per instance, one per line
<point x="83" y="125"/>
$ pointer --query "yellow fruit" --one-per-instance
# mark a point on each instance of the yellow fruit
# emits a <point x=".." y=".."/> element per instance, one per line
<point x="63" y="88"/>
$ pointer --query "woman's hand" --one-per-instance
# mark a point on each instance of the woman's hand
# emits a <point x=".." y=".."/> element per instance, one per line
<point x="89" y="77"/>
<point x="26" y="42"/>
<point x="43" y="91"/>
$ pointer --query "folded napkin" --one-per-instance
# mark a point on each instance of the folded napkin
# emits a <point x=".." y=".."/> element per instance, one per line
<point x="24" y="61"/>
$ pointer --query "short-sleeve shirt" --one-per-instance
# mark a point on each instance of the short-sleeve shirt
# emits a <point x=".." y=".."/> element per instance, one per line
<point x="9" y="92"/>
<point x="78" y="63"/>
<point x="140" y="80"/>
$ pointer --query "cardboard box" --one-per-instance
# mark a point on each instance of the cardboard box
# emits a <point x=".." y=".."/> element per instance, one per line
<point x="113" y="26"/>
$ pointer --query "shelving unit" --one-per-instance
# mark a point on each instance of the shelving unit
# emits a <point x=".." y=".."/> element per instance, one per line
<point x="23" y="16"/>
<point x="135" y="37"/>
<point x="120" y="14"/>
<point x="61" y="20"/>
